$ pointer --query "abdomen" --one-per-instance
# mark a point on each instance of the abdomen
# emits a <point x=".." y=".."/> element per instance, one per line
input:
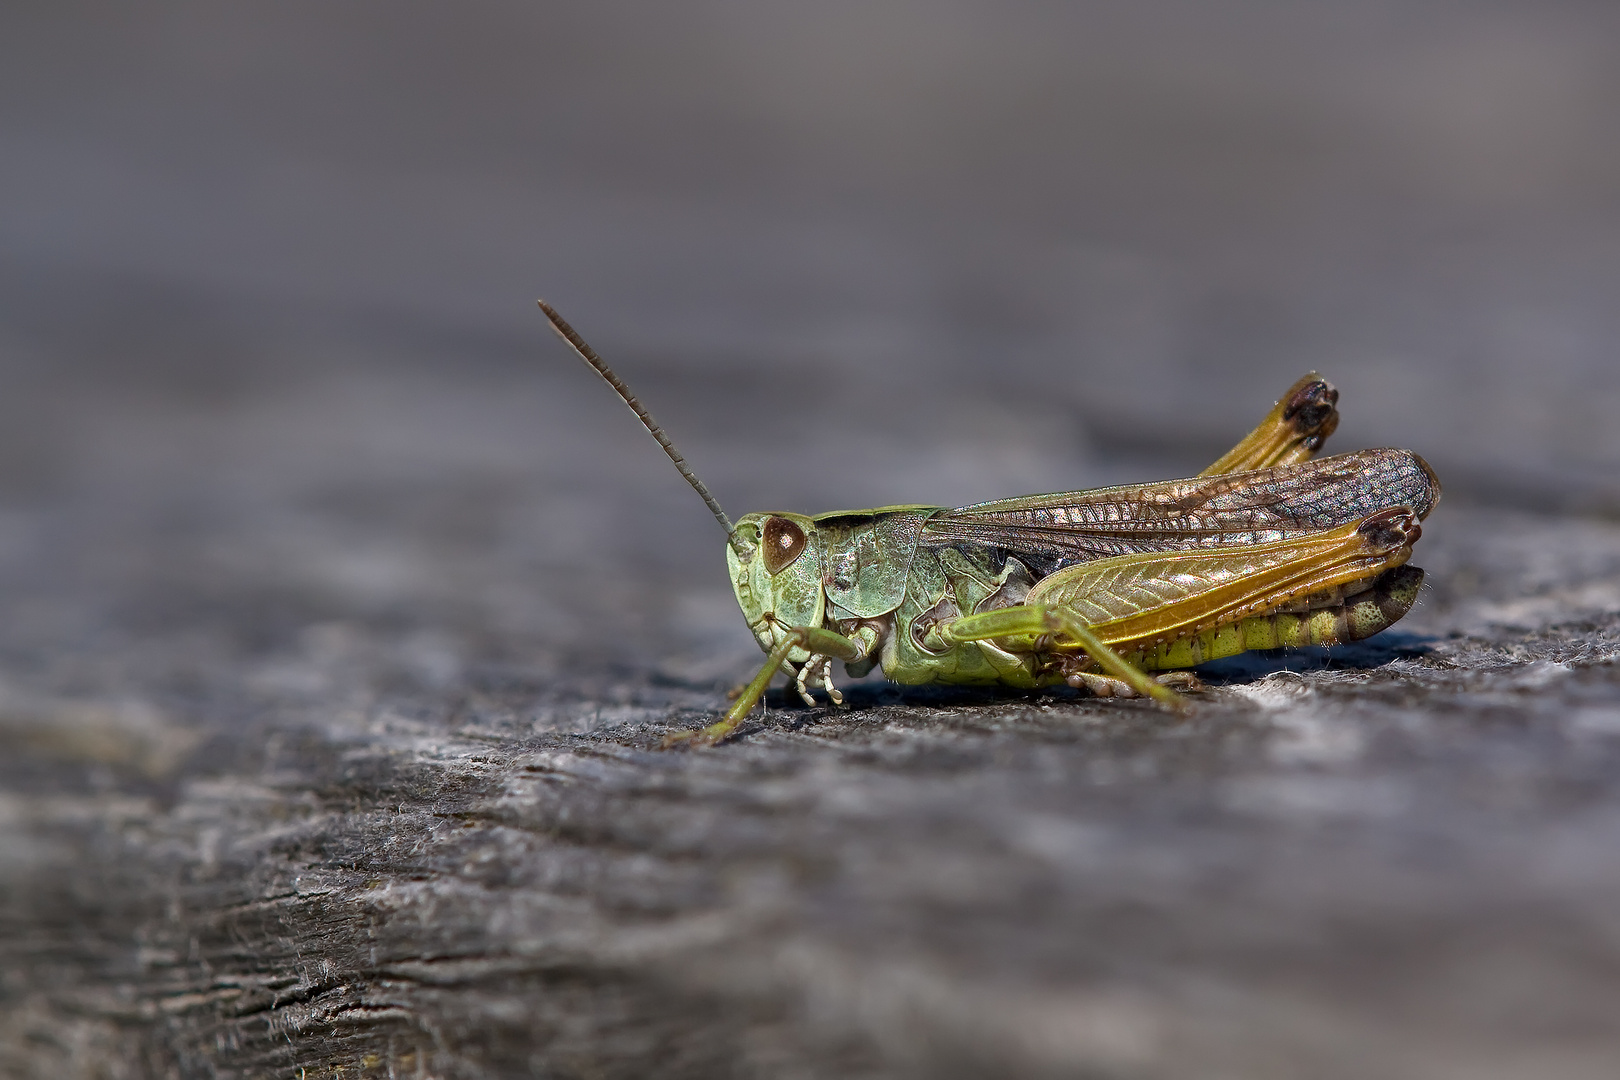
<point x="1328" y="621"/>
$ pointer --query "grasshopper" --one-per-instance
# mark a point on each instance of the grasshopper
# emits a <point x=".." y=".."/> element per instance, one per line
<point x="1270" y="546"/>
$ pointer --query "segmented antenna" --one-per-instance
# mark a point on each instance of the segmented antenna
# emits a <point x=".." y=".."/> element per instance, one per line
<point x="588" y="354"/>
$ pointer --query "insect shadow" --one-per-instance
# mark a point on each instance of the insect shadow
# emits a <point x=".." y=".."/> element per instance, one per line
<point x="1364" y="655"/>
<point x="1249" y="667"/>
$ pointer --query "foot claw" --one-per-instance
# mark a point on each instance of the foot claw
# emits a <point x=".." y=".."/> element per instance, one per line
<point x="827" y="684"/>
<point x="709" y="736"/>
<point x="809" y="671"/>
<point x="1101" y="685"/>
<point x="679" y="740"/>
<point x="1184" y="681"/>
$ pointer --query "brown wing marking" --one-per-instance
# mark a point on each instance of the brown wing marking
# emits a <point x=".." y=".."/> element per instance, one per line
<point x="1240" y="509"/>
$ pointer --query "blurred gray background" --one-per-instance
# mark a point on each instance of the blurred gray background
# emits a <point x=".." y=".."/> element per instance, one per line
<point x="286" y="447"/>
<point x="851" y="253"/>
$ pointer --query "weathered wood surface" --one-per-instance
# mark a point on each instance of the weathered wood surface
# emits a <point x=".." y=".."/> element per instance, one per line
<point x="258" y="824"/>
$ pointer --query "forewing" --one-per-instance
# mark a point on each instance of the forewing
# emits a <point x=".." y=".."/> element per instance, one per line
<point x="1238" y="509"/>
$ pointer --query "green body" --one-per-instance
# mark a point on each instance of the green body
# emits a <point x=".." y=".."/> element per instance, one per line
<point x="866" y="570"/>
<point x="902" y="585"/>
<point x="1267" y="547"/>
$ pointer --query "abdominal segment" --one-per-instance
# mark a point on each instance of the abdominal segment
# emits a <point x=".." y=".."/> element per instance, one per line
<point x="1332" y="619"/>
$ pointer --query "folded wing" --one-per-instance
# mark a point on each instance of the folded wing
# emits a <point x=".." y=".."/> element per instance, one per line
<point x="1238" y="509"/>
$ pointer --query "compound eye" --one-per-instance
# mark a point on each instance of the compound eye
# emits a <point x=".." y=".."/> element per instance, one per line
<point x="784" y="542"/>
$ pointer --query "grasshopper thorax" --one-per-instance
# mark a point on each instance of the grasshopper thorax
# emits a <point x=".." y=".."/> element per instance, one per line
<point x="775" y="565"/>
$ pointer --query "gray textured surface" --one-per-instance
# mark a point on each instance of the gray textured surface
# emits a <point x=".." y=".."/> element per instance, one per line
<point x="342" y="610"/>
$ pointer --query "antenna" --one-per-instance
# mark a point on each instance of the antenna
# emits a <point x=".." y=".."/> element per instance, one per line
<point x="588" y="354"/>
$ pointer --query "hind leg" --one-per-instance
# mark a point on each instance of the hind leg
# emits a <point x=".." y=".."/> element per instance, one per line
<point x="1293" y="431"/>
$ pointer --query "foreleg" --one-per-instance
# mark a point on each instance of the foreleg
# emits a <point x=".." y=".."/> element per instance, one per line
<point x="819" y="642"/>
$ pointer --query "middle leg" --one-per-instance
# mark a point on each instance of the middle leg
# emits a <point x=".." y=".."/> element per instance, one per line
<point x="1036" y="620"/>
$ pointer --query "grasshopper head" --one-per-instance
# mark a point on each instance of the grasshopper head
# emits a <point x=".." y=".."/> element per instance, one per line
<point x="776" y="572"/>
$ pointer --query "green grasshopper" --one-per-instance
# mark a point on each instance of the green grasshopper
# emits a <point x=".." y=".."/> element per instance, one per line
<point x="1268" y="547"/>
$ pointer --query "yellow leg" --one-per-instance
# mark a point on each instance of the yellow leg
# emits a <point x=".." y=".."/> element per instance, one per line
<point x="1293" y="431"/>
<point x="1036" y="619"/>
<point x="812" y="638"/>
